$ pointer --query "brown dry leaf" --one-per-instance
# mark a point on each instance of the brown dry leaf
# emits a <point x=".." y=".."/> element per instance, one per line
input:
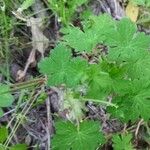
<point x="132" y="11"/>
<point x="39" y="40"/>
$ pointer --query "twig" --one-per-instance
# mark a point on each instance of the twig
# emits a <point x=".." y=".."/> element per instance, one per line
<point x="30" y="60"/>
<point x="138" y="127"/>
<point x="49" y="123"/>
<point x="125" y="127"/>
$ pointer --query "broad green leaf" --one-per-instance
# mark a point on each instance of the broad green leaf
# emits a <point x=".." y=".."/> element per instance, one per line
<point x="61" y="69"/>
<point x="124" y="110"/>
<point x="132" y="107"/>
<point x="99" y="83"/>
<point x="55" y="65"/>
<point x="6" y="98"/>
<point x="122" y="142"/>
<point x="79" y="40"/>
<point x="140" y="69"/>
<point x="122" y="86"/>
<point x="116" y="77"/>
<point x="76" y="71"/>
<point x="68" y="136"/>
<point x="141" y="105"/>
<point x="3" y="134"/>
<point x="93" y="32"/>
<point x="105" y="78"/>
<point x="127" y="44"/>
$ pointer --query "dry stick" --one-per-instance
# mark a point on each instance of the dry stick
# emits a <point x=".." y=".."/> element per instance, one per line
<point x="125" y="127"/>
<point x="15" y="136"/>
<point x="116" y="8"/>
<point x="24" y="85"/>
<point x="138" y="127"/>
<point x="9" y="112"/>
<point x="131" y="128"/>
<point x="30" y="60"/>
<point x="49" y="123"/>
<point x="104" y="7"/>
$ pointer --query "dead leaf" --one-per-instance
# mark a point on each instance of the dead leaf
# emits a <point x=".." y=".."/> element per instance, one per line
<point x="39" y="40"/>
<point x="132" y="11"/>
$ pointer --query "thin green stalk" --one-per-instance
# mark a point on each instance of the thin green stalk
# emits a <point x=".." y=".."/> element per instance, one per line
<point x="23" y="113"/>
<point x="100" y="101"/>
<point x="6" y="44"/>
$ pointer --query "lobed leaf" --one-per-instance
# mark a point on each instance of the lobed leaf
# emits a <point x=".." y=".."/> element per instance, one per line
<point x="122" y="142"/>
<point x="94" y="32"/>
<point x="127" y="44"/>
<point x="132" y="107"/>
<point x="68" y="136"/>
<point x="61" y="69"/>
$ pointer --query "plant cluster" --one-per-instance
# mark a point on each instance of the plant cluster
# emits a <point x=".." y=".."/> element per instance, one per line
<point x="104" y="61"/>
<point x="121" y="72"/>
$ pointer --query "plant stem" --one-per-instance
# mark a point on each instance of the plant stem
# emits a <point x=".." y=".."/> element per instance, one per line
<point x="6" y="43"/>
<point x="100" y="101"/>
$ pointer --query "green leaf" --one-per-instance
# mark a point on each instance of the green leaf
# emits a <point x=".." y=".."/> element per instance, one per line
<point x="141" y="105"/>
<point x="99" y="82"/>
<point x="55" y="65"/>
<point x="3" y="134"/>
<point x="104" y="78"/>
<point x="122" y="142"/>
<point x="127" y="44"/>
<point x="19" y="147"/>
<point x="93" y="32"/>
<point x="122" y="86"/>
<point x="68" y="136"/>
<point x="79" y="40"/>
<point x="6" y="98"/>
<point x="140" y="69"/>
<point x="132" y="107"/>
<point x="61" y="69"/>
